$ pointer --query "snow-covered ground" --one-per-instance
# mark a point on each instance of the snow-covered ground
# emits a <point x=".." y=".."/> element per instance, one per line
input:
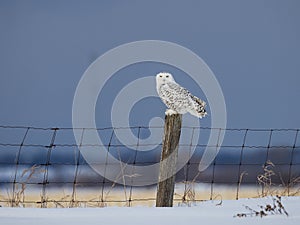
<point x="208" y="212"/>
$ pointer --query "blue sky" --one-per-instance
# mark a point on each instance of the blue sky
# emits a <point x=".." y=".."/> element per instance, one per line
<point x="251" y="46"/>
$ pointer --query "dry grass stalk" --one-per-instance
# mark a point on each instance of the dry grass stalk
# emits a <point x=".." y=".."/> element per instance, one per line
<point x="268" y="188"/>
<point x="275" y="208"/>
<point x="265" y="179"/>
<point x="17" y="198"/>
<point x="189" y="194"/>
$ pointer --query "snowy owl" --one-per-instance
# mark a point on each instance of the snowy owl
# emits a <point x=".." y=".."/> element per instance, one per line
<point x="177" y="98"/>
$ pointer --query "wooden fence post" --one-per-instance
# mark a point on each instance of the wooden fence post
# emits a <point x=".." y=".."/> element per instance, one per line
<point x="167" y="172"/>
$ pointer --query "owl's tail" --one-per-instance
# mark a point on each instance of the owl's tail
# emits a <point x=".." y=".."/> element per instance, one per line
<point x="199" y="109"/>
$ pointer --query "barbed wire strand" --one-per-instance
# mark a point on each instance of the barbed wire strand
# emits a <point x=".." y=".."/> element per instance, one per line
<point x="145" y="127"/>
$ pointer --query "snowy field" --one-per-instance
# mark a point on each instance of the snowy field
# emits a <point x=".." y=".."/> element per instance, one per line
<point x="208" y="212"/>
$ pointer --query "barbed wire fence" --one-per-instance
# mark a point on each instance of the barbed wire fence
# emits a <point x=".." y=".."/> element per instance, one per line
<point x="43" y="167"/>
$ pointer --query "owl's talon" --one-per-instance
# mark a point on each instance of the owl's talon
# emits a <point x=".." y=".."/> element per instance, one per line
<point x="170" y="112"/>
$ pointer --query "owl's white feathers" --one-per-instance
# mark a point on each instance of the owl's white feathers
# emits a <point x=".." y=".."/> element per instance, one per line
<point x="178" y="98"/>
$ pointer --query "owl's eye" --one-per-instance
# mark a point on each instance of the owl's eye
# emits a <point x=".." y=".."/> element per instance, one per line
<point x="167" y="76"/>
<point x="160" y="75"/>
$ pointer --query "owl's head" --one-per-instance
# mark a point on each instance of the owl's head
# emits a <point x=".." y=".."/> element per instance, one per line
<point x="163" y="78"/>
